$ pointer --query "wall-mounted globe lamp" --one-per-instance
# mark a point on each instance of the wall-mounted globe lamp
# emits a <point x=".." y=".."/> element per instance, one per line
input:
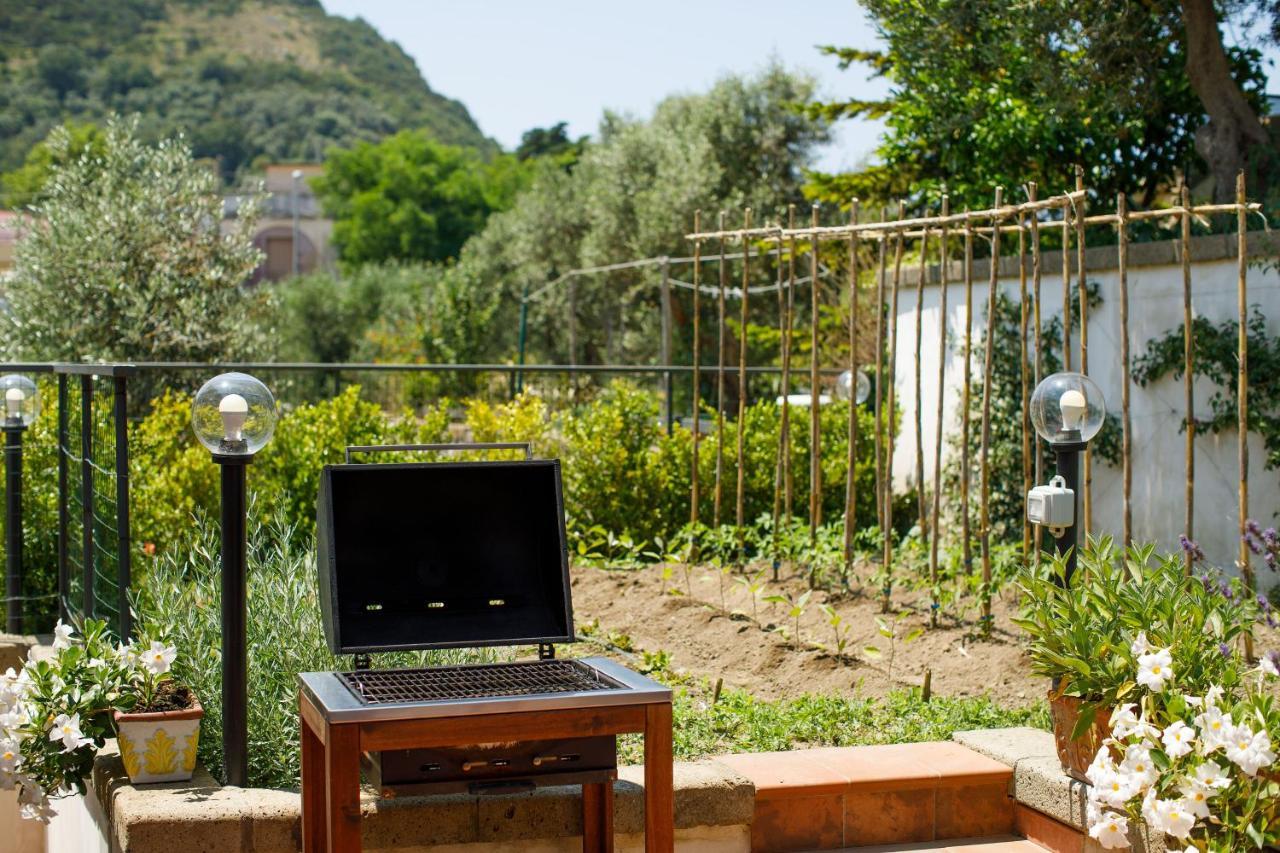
<point x="21" y="405"/>
<point x="1067" y="410"/>
<point x="234" y="416"/>
<point x="858" y="389"/>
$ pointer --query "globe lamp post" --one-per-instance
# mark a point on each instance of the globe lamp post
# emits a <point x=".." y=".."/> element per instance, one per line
<point x="21" y="405"/>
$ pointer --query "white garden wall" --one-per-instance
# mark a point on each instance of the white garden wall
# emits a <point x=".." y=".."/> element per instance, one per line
<point x="1155" y="306"/>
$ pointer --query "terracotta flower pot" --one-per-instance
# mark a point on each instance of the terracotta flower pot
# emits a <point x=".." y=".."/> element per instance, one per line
<point x="1076" y="754"/>
<point x="160" y="746"/>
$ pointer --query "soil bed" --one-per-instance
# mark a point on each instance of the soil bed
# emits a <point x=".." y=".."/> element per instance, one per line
<point x="713" y="640"/>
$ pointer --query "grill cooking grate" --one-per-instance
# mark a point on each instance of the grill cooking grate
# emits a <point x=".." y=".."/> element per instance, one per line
<point x="441" y="684"/>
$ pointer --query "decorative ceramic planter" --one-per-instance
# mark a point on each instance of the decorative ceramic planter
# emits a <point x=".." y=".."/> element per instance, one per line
<point x="1076" y="754"/>
<point x="160" y="746"/>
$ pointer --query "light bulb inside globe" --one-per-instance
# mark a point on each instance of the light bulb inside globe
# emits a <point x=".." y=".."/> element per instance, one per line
<point x="1074" y="408"/>
<point x="234" y="410"/>
<point x="13" y="400"/>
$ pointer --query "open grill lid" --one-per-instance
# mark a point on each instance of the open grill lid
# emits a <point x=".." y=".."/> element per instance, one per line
<point x="441" y="555"/>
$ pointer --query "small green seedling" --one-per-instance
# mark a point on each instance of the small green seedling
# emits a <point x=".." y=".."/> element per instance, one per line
<point x="839" y="630"/>
<point x="890" y="630"/>
<point x="754" y="585"/>
<point x="795" y="609"/>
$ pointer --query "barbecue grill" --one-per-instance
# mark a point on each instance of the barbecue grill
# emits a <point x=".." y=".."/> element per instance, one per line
<point x="467" y="554"/>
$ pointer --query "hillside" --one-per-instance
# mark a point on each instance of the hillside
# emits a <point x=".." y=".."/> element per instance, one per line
<point x="246" y="80"/>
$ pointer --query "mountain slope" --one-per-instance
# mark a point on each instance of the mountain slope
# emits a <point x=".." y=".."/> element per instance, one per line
<point x="246" y="80"/>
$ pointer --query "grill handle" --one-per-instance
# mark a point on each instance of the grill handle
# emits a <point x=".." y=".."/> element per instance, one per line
<point x="526" y="446"/>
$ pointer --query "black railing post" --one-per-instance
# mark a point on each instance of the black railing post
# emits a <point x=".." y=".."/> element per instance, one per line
<point x="235" y="664"/>
<point x="13" y="430"/>
<point x="124" y="555"/>
<point x="64" y="496"/>
<point x="86" y="489"/>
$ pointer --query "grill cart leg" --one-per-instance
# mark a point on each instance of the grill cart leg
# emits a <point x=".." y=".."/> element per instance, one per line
<point x="342" y="787"/>
<point x="597" y="817"/>
<point x="659" y="799"/>
<point x="314" y="837"/>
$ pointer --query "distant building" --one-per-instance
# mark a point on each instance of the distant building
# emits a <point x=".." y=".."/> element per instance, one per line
<point x="274" y="234"/>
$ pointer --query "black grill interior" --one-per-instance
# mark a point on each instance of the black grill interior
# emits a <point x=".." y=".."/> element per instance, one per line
<point x="444" y="683"/>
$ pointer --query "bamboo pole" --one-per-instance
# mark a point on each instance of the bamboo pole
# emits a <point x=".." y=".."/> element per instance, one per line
<point x="966" y="545"/>
<point x="779" y="468"/>
<point x="742" y="389"/>
<point x="892" y="359"/>
<point x="815" y="425"/>
<point x="1126" y="429"/>
<point x="920" y="504"/>
<point x="988" y="355"/>
<point x="851" y="473"/>
<point x="1242" y="382"/>
<point x="719" y="493"/>
<point x="788" y="478"/>
<point x="943" y="263"/>
<point x="879" y="390"/>
<point x="1083" y="289"/>
<point x="1024" y="423"/>
<point x="1039" y="358"/>
<point x="1188" y="370"/>
<point x="697" y="379"/>
<point x="1066" y="288"/>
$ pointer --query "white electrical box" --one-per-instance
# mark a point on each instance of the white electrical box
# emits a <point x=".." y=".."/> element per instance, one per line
<point x="1052" y="506"/>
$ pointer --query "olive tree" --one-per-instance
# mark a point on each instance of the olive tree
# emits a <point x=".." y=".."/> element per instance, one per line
<point x="125" y="258"/>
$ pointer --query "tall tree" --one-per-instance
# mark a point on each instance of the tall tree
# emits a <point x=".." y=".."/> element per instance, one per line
<point x="991" y="93"/>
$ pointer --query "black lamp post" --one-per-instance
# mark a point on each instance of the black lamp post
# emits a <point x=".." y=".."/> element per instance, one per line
<point x="234" y="416"/>
<point x="1067" y="410"/>
<point x="20" y="405"/>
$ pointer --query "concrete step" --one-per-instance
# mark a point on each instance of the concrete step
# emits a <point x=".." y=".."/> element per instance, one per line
<point x="995" y="844"/>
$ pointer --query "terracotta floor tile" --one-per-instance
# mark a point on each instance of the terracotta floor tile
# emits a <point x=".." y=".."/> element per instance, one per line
<point x="959" y="765"/>
<point x="779" y="775"/>
<point x="888" y="817"/>
<point x="974" y="811"/>
<point x="798" y="823"/>
<point x="1045" y="831"/>
<point x="887" y="767"/>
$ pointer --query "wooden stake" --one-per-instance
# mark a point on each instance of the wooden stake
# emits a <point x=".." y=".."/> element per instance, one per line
<point x="1083" y="289"/>
<point x="742" y="389"/>
<point x="892" y="357"/>
<point x="879" y="389"/>
<point x="815" y="425"/>
<point x="697" y="379"/>
<point x="851" y="473"/>
<point x="779" y="468"/>
<point x="1126" y="430"/>
<point x="1039" y="358"/>
<point x="788" y="478"/>
<point x="1242" y="381"/>
<point x="724" y="273"/>
<point x="920" y="504"/>
<point x="966" y="545"/>
<point x="1023" y="369"/>
<point x="1066" y="287"/>
<point x="988" y="355"/>
<point x="1188" y="370"/>
<point x="943" y="263"/>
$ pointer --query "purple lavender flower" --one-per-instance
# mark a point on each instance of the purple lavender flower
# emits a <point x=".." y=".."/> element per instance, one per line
<point x="1224" y="650"/>
<point x="1274" y="657"/>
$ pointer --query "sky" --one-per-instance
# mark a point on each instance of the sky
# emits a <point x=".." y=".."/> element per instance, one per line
<point x="518" y="64"/>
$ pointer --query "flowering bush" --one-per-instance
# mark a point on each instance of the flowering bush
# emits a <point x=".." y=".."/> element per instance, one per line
<point x="57" y="712"/>
<point x="1192" y="766"/>
<point x="1082" y="635"/>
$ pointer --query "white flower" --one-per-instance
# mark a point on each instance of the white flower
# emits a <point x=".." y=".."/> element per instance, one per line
<point x="1113" y="788"/>
<point x="1123" y="721"/>
<point x="67" y="730"/>
<point x="1174" y="818"/>
<point x="1211" y="698"/>
<point x="1250" y="751"/>
<point x="1214" y="727"/>
<point x="1211" y="775"/>
<point x="1112" y="832"/>
<point x="1101" y="764"/>
<point x="1178" y="739"/>
<point x="159" y="657"/>
<point x="1138" y="767"/>
<point x="1155" y="669"/>
<point x="126" y="652"/>
<point x="10" y="756"/>
<point x="62" y="636"/>
<point x="1140" y="645"/>
<point x="1268" y="666"/>
<point x="1196" y="796"/>
<point x="32" y="802"/>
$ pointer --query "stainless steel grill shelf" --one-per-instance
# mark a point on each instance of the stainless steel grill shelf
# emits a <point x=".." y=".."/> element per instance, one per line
<point x="451" y="683"/>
